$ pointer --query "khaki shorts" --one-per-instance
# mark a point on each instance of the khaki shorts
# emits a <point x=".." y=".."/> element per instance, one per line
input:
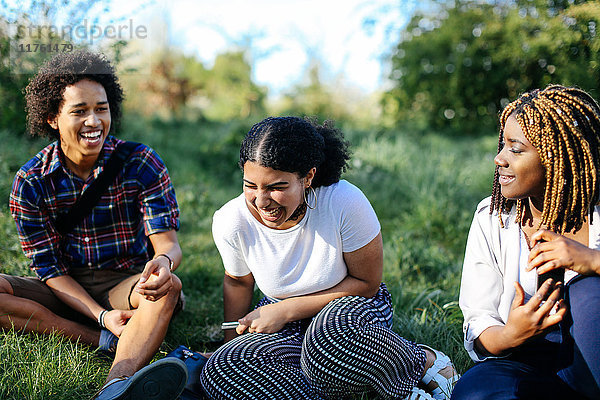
<point x="109" y="288"/>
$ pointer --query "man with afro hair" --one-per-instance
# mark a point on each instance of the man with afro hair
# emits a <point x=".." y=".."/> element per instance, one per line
<point x="108" y="279"/>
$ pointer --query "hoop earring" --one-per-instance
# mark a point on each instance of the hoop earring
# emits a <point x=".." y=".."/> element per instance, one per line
<point x="305" y="199"/>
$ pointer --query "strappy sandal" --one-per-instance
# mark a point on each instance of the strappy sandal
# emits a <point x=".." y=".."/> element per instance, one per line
<point x="445" y="385"/>
<point x="419" y="394"/>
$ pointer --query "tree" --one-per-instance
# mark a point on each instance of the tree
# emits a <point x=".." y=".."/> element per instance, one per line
<point x="230" y="90"/>
<point x="179" y="84"/>
<point x="458" y="67"/>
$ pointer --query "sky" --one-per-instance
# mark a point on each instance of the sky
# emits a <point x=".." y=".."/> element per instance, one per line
<point x="284" y="37"/>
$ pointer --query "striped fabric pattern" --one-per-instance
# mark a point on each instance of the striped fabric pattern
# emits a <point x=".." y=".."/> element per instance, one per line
<point x="139" y="203"/>
<point x="347" y="349"/>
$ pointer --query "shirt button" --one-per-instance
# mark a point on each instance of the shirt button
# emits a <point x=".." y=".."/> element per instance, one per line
<point x="87" y="239"/>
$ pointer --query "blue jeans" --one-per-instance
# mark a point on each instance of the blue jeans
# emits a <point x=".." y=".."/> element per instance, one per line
<point x="564" y="364"/>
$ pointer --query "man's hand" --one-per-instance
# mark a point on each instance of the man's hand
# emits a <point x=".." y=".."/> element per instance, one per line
<point x="115" y="320"/>
<point x="269" y="318"/>
<point x="156" y="279"/>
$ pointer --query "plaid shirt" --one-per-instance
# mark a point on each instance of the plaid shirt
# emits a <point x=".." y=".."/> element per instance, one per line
<point x="141" y="201"/>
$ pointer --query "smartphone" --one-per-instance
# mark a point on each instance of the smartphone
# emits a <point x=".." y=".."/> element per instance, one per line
<point x="558" y="275"/>
<point x="229" y="325"/>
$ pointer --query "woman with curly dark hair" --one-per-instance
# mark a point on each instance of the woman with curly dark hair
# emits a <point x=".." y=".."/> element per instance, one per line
<point x="312" y="244"/>
<point x="530" y="290"/>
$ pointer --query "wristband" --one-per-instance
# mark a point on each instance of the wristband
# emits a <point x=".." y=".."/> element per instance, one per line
<point x="168" y="258"/>
<point x="101" y="318"/>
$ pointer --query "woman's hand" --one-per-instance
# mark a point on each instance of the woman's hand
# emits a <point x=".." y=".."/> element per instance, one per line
<point x="269" y="318"/>
<point x="551" y="250"/>
<point x="115" y="320"/>
<point x="527" y="320"/>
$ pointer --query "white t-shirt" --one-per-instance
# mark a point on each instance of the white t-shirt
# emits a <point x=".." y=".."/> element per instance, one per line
<point x="305" y="258"/>
<point x="495" y="257"/>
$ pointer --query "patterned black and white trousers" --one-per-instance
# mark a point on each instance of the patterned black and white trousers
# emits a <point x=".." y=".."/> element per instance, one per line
<point x="347" y="349"/>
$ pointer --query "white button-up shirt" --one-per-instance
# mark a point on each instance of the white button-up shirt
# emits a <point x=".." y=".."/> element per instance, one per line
<point x="493" y="262"/>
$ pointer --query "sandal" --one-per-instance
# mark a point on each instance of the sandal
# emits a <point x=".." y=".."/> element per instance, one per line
<point x="419" y="394"/>
<point x="445" y="385"/>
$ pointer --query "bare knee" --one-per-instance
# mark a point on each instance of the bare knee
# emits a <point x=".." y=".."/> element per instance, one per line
<point x="176" y="288"/>
<point x="169" y="299"/>
<point x="5" y="286"/>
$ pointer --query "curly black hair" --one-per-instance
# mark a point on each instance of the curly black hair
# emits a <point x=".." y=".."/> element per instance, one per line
<point x="293" y="144"/>
<point x="44" y="93"/>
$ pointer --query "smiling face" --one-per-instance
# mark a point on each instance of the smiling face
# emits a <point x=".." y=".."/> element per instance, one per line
<point x="83" y="122"/>
<point x="521" y="172"/>
<point x="272" y="196"/>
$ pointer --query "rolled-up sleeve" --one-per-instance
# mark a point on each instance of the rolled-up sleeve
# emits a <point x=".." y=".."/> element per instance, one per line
<point x="481" y="284"/>
<point x="157" y="198"/>
<point x="39" y="239"/>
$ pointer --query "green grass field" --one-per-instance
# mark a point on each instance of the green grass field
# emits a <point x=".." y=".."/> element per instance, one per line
<point x="423" y="188"/>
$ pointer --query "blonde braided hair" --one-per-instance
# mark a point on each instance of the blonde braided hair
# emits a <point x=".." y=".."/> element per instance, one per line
<point x="563" y="124"/>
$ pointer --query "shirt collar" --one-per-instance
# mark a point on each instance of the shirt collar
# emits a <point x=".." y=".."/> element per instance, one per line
<point x="55" y="157"/>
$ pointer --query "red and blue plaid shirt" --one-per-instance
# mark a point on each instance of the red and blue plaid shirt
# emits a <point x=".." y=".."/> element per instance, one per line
<point x="141" y="201"/>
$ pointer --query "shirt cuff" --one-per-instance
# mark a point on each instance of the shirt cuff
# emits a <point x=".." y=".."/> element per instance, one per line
<point x="473" y="330"/>
<point x="45" y="273"/>
<point x="161" y="224"/>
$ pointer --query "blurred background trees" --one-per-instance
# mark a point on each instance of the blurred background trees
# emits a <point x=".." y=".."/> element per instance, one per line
<point x="459" y="62"/>
<point x="181" y="87"/>
<point x="455" y="65"/>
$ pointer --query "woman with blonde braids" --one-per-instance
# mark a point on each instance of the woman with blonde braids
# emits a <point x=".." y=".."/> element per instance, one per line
<point x="537" y="340"/>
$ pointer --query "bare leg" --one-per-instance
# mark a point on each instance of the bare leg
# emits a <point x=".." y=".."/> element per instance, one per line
<point x="28" y="316"/>
<point x="144" y="332"/>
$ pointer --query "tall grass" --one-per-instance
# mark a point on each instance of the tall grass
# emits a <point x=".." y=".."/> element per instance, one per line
<point x="36" y="368"/>
<point x="423" y="188"/>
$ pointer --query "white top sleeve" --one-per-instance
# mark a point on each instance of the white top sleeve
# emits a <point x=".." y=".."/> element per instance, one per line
<point x="482" y="282"/>
<point x="359" y="223"/>
<point x="227" y="243"/>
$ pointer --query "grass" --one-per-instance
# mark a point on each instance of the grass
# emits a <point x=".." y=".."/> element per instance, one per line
<point x="423" y="188"/>
<point x="48" y="367"/>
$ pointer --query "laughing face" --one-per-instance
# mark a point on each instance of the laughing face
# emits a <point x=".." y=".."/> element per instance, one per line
<point x="83" y="122"/>
<point x="521" y="172"/>
<point x="272" y="196"/>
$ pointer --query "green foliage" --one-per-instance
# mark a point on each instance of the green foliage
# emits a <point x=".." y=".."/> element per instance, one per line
<point x="459" y="65"/>
<point x="181" y="87"/>
<point x="313" y="98"/>
<point x="231" y="91"/>
<point x="348" y="107"/>
<point x="57" y="369"/>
